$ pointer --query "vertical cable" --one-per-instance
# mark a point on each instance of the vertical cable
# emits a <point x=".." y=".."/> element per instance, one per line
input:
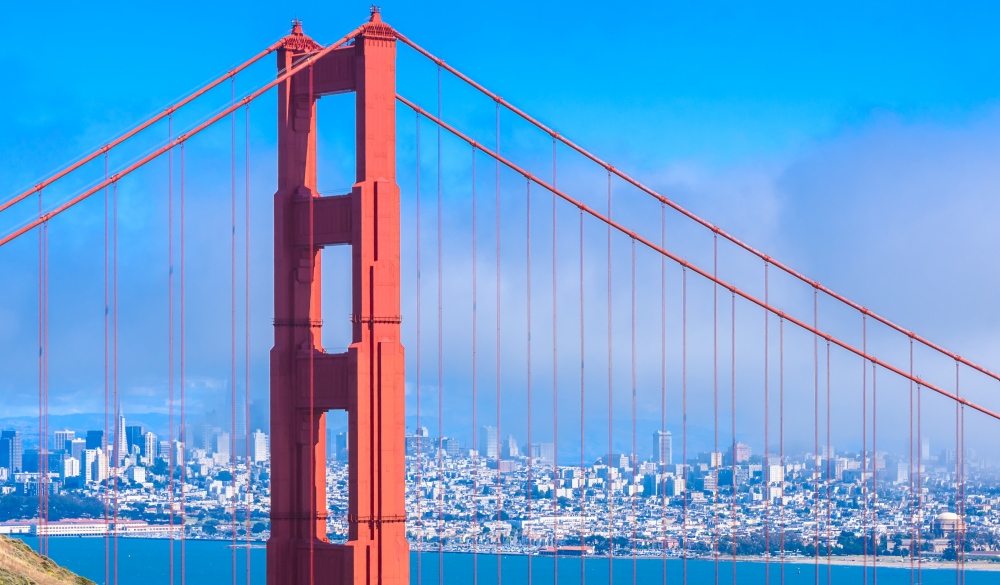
<point x="555" y="365"/>
<point x="107" y="374"/>
<point x="232" y="318"/>
<point x="732" y="512"/>
<point x="246" y="328"/>
<point x="663" y="461"/>
<point x="419" y="430"/>
<point x="684" y="418"/>
<point x="816" y="459"/>
<point x="611" y="513"/>
<point x="475" y="467"/>
<point x="440" y="348"/>
<point x="909" y="477"/>
<point x="528" y="360"/>
<point x="114" y="364"/>
<point x="767" y="453"/>
<point x="874" y="478"/>
<point x="635" y="459"/>
<point x="475" y="428"/>
<point x="864" y="447"/>
<point x="919" y="487"/>
<point x="41" y="379"/>
<point x="829" y="478"/>
<point x="499" y="494"/>
<point x="958" y="481"/>
<point x="170" y="337"/>
<point x="183" y="433"/>
<point x="583" y="488"/>
<point x="715" y="404"/>
<point x="781" y="437"/>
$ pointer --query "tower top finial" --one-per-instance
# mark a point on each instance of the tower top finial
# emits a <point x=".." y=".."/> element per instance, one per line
<point x="296" y="26"/>
<point x="376" y="14"/>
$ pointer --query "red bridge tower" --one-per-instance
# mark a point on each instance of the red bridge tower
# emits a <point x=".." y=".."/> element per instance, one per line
<point x="367" y="381"/>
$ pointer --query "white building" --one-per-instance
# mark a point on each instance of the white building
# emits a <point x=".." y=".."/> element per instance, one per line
<point x="258" y="446"/>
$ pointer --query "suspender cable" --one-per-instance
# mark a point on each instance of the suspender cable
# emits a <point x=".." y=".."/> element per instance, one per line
<point x="684" y="418"/>
<point x="182" y="456"/>
<point x="715" y="405"/>
<point x="41" y="377"/>
<point x="635" y="459"/>
<point x="499" y="493"/>
<point x="611" y="513"/>
<point x="864" y="449"/>
<point x="246" y="329"/>
<point x="420" y="445"/>
<point x="440" y="350"/>
<point x="919" y="487"/>
<point x="114" y="336"/>
<point x="958" y="484"/>
<point x="816" y="433"/>
<point x="528" y="360"/>
<point x="555" y="369"/>
<point x="232" y="323"/>
<point x="662" y="460"/>
<point x="107" y="373"/>
<point x="583" y="490"/>
<point x="829" y="477"/>
<point x="781" y="438"/>
<point x="527" y="186"/>
<point x="767" y="445"/>
<point x="732" y="512"/>
<point x="874" y="478"/>
<point x="170" y="341"/>
<point x="475" y="428"/>
<point x="909" y="477"/>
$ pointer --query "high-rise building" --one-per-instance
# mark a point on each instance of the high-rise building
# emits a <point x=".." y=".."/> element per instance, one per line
<point x="63" y="439"/>
<point x="222" y="445"/>
<point x="663" y="448"/>
<point x="76" y="448"/>
<point x="150" y="448"/>
<point x="100" y="468"/>
<point x="96" y="440"/>
<point x="70" y="468"/>
<point x="11" y="451"/>
<point x="133" y="436"/>
<point x="259" y="441"/>
<point x="741" y="453"/>
<point x="543" y="452"/>
<point x="164" y="449"/>
<point x="489" y="442"/>
<point x="450" y="446"/>
<point x="87" y="465"/>
<point x="121" y="448"/>
<point x="342" y="447"/>
<point x="510" y="450"/>
<point x="177" y="454"/>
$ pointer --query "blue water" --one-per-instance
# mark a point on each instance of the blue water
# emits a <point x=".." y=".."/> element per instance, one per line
<point x="146" y="562"/>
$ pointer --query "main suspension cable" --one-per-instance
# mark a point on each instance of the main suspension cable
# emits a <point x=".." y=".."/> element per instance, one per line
<point x="688" y="265"/>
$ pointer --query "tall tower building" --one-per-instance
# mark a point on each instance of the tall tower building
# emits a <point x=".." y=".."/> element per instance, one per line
<point x="62" y="440"/>
<point x="663" y="448"/>
<point x="11" y="451"/>
<point x="489" y="443"/>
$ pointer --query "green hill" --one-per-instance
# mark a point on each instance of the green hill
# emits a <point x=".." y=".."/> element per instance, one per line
<point x="20" y="565"/>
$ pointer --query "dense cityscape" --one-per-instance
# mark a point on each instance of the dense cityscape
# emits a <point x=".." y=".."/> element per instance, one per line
<point x="506" y="497"/>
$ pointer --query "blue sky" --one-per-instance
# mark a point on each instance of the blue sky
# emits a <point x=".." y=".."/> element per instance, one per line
<point x="857" y="142"/>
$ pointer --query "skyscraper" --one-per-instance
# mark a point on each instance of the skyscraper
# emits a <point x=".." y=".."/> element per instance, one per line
<point x="259" y="446"/>
<point x="133" y="436"/>
<point x="76" y="447"/>
<point x="121" y="443"/>
<point x="96" y="440"/>
<point x="150" y="448"/>
<point x="489" y="443"/>
<point x="11" y="451"/>
<point x="63" y="439"/>
<point x="663" y="448"/>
